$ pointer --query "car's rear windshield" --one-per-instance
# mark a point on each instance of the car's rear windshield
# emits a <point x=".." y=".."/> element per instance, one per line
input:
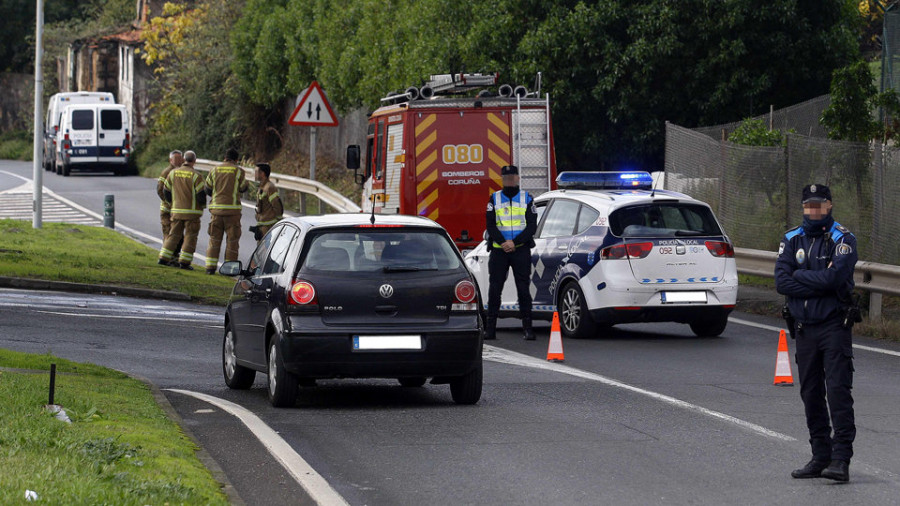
<point x="381" y="249"/>
<point x="664" y="219"/>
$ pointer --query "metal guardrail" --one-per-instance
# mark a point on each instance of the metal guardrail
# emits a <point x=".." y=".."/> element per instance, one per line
<point x="877" y="279"/>
<point x="303" y="185"/>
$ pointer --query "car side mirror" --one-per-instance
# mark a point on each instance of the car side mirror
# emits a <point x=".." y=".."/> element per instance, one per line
<point x="232" y="268"/>
<point x="353" y="157"/>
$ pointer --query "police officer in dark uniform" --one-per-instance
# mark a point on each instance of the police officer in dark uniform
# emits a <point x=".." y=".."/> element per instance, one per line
<point x="814" y="270"/>
<point x="511" y="223"/>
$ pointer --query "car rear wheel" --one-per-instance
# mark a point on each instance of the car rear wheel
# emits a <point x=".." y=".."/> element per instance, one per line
<point x="412" y="382"/>
<point x="467" y="389"/>
<point x="283" y="386"/>
<point x="574" y="319"/>
<point x="66" y="170"/>
<point x="711" y="327"/>
<point x="237" y="376"/>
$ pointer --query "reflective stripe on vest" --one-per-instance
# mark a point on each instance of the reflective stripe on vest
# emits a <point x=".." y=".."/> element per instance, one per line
<point x="510" y="214"/>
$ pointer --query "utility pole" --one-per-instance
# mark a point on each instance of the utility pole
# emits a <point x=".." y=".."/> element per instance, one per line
<point x="38" y="182"/>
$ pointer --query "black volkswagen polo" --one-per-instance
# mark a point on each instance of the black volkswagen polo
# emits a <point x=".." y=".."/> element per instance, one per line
<point x="346" y="296"/>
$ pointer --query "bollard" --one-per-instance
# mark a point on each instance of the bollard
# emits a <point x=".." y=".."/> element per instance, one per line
<point x="109" y="211"/>
<point x="52" y="383"/>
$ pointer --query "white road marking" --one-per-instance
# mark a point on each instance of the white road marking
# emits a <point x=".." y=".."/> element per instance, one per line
<point x="501" y="355"/>
<point x="315" y="485"/>
<point x="777" y="329"/>
<point x="171" y="319"/>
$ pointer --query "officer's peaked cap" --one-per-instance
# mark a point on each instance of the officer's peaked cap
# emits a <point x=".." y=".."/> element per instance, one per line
<point x="816" y="193"/>
<point x="508" y="170"/>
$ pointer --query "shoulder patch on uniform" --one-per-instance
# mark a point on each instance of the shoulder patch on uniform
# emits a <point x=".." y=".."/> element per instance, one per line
<point x="490" y="206"/>
<point x="844" y="249"/>
<point x="793" y="232"/>
<point x="781" y="247"/>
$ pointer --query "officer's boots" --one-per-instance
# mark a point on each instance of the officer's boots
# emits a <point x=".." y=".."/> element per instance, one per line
<point x="529" y="330"/>
<point x="490" y="328"/>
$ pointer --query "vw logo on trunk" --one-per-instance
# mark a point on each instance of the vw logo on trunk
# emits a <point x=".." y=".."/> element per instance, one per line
<point x="386" y="291"/>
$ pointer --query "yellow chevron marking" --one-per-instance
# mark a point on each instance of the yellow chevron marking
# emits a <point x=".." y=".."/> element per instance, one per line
<point x="426" y="142"/>
<point x="427" y="201"/>
<point x="499" y="123"/>
<point x="425" y="123"/>
<point x="496" y="158"/>
<point x="425" y="183"/>
<point x="425" y="163"/>
<point x="500" y="143"/>
<point x="434" y="215"/>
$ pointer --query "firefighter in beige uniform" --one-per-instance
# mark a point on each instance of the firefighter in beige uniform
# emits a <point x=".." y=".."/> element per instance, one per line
<point x="224" y="184"/>
<point x="165" y="207"/>
<point x="184" y="190"/>
<point x="269" y="209"/>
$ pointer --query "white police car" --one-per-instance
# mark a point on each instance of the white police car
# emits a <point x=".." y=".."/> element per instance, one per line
<point x="609" y="249"/>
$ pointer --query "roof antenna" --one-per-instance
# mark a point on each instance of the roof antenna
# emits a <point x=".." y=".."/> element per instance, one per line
<point x="653" y="189"/>
<point x="372" y="218"/>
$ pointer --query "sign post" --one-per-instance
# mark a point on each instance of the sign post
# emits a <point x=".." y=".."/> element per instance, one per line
<point x="313" y="110"/>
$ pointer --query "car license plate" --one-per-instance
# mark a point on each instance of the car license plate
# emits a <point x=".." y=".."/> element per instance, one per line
<point x="683" y="297"/>
<point x="387" y="342"/>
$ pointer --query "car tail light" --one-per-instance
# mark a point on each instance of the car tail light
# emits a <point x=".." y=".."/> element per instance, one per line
<point x="127" y="140"/>
<point x="630" y="250"/>
<point x="720" y="249"/>
<point x="66" y="144"/>
<point x="464" y="294"/>
<point x="303" y="293"/>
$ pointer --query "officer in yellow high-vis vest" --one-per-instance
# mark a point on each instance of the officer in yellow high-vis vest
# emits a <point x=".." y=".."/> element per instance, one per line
<point x="184" y="190"/>
<point x="176" y="159"/>
<point x="225" y="184"/>
<point x="511" y="223"/>
<point x="269" y="209"/>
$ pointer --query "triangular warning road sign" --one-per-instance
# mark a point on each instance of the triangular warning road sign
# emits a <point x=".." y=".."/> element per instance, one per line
<point x="313" y="109"/>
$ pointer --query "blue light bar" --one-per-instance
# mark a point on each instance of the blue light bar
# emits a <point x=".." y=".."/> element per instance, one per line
<point x="632" y="180"/>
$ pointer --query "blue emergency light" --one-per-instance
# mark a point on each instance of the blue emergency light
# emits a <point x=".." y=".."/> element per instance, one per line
<point x="632" y="180"/>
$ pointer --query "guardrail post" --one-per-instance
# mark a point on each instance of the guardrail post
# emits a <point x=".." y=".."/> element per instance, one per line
<point x="302" y="204"/>
<point x="875" y="307"/>
<point x="322" y="207"/>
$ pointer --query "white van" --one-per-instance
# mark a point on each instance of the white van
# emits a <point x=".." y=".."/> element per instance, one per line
<point x="93" y="137"/>
<point x="54" y="110"/>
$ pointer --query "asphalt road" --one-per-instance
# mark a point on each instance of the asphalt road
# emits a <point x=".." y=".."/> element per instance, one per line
<point x="647" y="414"/>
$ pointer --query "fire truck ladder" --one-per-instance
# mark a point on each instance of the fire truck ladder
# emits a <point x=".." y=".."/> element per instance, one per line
<point x="531" y="131"/>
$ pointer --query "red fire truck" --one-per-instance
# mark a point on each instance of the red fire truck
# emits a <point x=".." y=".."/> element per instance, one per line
<point x="436" y="151"/>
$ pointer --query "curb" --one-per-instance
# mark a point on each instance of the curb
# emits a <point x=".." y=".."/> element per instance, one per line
<point x="65" y="286"/>
<point x="205" y="458"/>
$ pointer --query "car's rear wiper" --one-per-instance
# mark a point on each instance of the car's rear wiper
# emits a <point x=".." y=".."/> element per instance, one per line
<point x="404" y="268"/>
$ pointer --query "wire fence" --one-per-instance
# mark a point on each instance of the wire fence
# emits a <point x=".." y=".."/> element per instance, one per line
<point x="755" y="191"/>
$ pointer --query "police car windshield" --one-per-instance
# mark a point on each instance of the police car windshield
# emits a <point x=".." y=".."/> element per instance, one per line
<point x="381" y="249"/>
<point x="663" y="220"/>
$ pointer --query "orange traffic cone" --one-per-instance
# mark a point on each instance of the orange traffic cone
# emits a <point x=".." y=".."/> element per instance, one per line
<point x="783" y="376"/>
<point x="555" y="349"/>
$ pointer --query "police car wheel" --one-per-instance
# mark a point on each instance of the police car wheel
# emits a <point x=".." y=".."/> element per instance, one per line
<point x="574" y="319"/>
<point x="709" y="328"/>
<point x="237" y="376"/>
<point x="283" y="386"/>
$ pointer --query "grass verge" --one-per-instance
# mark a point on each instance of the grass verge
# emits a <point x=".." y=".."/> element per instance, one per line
<point x="85" y="254"/>
<point x="119" y="449"/>
<point x="16" y="145"/>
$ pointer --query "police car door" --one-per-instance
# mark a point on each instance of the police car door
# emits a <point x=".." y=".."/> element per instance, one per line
<point x="112" y="126"/>
<point x="551" y="252"/>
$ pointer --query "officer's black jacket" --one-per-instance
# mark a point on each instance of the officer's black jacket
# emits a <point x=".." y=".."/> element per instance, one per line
<point x="816" y="273"/>
<point x="525" y="238"/>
